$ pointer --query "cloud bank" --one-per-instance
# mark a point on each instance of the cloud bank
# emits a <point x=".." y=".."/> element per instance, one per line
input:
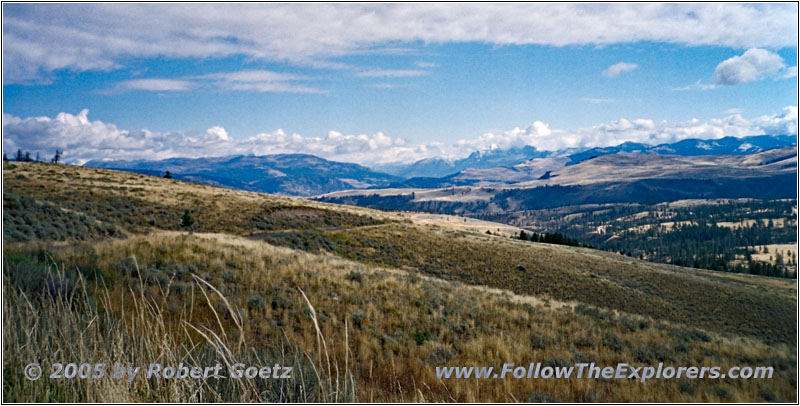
<point x="39" y="39"/>
<point x="84" y="140"/>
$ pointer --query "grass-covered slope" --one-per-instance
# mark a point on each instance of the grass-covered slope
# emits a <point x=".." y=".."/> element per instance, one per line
<point x="393" y="297"/>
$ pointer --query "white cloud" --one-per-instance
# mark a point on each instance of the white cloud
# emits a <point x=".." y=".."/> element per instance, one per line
<point x="156" y="85"/>
<point x="424" y="64"/>
<point x="216" y="133"/>
<point x="754" y="64"/>
<point x="598" y="100"/>
<point x="39" y="39"/>
<point x="82" y="139"/>
<point x="618" y="68"/>
<point x="790" y="73"/>
<point x="651" y="132"/>
<point x="391" y="73"/>
<point x="699" y="85"/>
<point x="383" y="85"/>
<point x="259" y="81"/>
<point x="246" y="80"/>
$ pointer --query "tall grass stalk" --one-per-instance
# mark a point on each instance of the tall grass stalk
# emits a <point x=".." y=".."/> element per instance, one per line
<point x="52" y="315"/>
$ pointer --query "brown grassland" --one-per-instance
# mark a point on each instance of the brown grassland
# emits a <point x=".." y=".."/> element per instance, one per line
<point x="98" y="267"/>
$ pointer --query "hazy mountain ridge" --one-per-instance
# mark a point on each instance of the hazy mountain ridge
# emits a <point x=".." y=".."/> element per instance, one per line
<point x="309" y="175"/>
<point x="694" y="147"/>
<point x="536" y="168"/>
<point x="618" y="178"/>
<point x="441" y="167"/>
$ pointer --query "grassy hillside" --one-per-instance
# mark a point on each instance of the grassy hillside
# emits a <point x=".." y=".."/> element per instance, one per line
<point x="393" y="296"/>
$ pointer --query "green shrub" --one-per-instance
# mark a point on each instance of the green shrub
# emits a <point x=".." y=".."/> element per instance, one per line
<point x="420" y="337"/>
<point x="256" y="302"/>
<point x="613" y="342"/>
<point x="537" y="397"/>
<point x="538" y="342"/>
<point x="355" y="277"/>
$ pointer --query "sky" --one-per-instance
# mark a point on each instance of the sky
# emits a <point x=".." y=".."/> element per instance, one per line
<point x="381" y="83"/>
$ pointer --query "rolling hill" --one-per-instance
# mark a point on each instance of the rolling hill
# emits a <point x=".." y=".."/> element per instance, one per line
<point x="391" y="294"/>
<point x="377" y="299"/>
<point x="290" y="174"/>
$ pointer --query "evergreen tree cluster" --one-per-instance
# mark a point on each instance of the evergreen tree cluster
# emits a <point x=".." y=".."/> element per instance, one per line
<point x="550" y="238"/>
<point x="25" y="156"/>
<point x="697" y="236"/>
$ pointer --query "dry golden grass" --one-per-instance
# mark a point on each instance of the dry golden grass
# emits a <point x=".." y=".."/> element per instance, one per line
<point x="393" y="297"/>
<point x="385" y="311"/>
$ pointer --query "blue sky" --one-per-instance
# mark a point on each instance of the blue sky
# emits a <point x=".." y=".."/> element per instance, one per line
<point x="379" y="83"/>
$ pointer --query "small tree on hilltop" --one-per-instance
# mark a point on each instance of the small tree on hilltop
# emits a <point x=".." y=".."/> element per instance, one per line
<point x="168" y="175"/>
<point x="57" y="156"/>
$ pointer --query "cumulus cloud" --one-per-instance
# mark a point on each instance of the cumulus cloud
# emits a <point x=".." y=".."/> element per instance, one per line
<point x="39" y="39"/>
<point x="83" y="139"/>
<point x="754" y="64"/>
<point x="618" y="68"/>
<point x="651" y="132"/>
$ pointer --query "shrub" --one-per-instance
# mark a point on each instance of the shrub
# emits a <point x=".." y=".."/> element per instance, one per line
<point x="538" y="342"/>
<point x="613" y="342"/>
<point x="355" y="277"/>
<point x="439" y="355"/>
<point x="584" y="342"/>
<point x="280" y="303"/>
<point x="690" y="335"/>
<point x="420" y="337"/>
<point x="721" y="391"/>
<point x="767" y="395"/>
<point x="537" y="397"/>
<point x="686" y="387"/>
<point x="649" y="354"/>
<point x="681" y="347"/>
<point x="557" y="363"/>
<point x="359" y="319"/>
<point x="256" y="302"/>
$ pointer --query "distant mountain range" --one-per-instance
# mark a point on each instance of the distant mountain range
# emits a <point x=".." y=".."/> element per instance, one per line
<point x="289" y="174"/>
<point x="440" y="167"/>
<point x="308" y="175"/>
<point x="488" y="168"/>
<point x="614" y="178"/>
<point x="695" y="147"/>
